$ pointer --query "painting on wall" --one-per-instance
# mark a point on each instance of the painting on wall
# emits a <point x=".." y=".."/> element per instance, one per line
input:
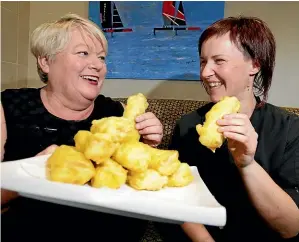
<point x="154" y="39"/>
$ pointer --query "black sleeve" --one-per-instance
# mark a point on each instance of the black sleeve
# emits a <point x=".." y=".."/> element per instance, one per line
<point x="108" y="107"/>
<point x="174" y="143"/>
<point x="120" y="108"/>
<point x="116" y="107"/>
<point x="289" y="171"/>
<point x="8" y="97"/>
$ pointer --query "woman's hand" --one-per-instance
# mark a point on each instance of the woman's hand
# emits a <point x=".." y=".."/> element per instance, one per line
<point x="150" y="128"/>
<point x="242" y="138"/>
<point x="49" y="150"/>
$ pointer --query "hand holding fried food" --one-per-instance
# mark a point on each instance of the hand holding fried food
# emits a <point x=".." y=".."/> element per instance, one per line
<point x="208" y="132"/>
<point x="109" y="174"/>
<point x="68" y="165"/>
<point x="111" y="155"/>
<point x="136" y="105"/>
<point x="148" y="180"/>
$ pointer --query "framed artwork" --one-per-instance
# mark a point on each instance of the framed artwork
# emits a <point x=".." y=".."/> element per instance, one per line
<point x="154" y="39"/>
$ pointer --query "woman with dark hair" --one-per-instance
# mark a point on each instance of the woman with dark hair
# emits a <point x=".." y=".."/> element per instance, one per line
<point x="255" y="173"/>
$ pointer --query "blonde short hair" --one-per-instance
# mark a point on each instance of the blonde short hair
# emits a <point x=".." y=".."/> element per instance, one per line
<point x="50" y="38"/>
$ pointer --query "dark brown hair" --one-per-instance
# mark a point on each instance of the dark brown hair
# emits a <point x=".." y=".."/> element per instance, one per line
<point x="253" y="37"/>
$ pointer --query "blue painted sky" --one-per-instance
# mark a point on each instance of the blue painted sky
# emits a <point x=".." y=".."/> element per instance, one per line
<point x="141" y="55"/>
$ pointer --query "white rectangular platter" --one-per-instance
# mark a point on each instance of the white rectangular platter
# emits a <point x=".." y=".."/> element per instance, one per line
<point x="193" y="203"/>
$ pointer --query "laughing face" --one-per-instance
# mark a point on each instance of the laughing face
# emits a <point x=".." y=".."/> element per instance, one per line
<point x="225" y="70"/>
<point x="79" y="70"/>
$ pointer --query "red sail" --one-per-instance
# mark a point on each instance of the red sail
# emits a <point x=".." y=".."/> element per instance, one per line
<point x="174" y="20"/>
<point x="169" y="8"/>
<point x="180" y="13"/>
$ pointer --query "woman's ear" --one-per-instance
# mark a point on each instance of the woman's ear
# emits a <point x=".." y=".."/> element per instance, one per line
<point x="44" y="64"/>
<point x="255" y="67"/>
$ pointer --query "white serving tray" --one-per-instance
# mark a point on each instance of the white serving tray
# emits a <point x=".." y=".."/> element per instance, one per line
<point x="193" y="203"/>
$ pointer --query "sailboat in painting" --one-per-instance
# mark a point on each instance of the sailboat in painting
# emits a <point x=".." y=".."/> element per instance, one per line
<point x="110" y="18"/>
<point x="174" y="19"/>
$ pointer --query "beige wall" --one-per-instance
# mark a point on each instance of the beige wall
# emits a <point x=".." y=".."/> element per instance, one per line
<point x="282" y="17"/>
<point x="14" y="44"/>
<point x="46" y="11"/>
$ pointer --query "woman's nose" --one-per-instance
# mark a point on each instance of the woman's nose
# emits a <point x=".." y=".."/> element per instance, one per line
<point x="97" y="63"/>
<point x="206" y="70"/>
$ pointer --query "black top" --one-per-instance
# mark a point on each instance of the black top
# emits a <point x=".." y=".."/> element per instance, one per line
<point x="31" y="129"/>
<point x="277" y="153"/>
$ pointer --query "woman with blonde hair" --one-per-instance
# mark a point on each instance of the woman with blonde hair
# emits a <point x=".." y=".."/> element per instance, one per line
<point x="70" y="54"/>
